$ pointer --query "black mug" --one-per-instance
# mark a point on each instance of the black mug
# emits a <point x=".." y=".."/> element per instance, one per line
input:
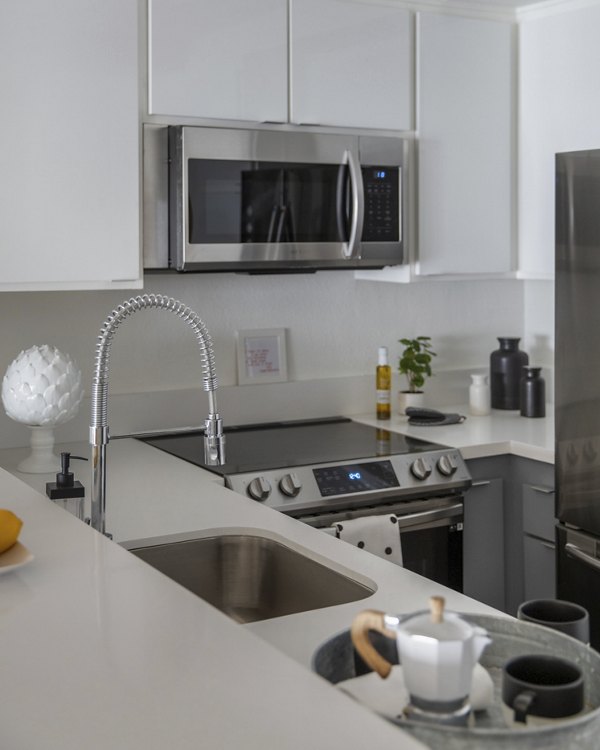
<point x="557" y="614"/>
<point x="543" y="686"/>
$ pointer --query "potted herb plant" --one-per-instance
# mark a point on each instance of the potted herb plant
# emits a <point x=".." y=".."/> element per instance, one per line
<point x="415" y="364"/>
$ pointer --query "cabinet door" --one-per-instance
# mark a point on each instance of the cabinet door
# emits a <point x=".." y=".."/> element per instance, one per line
<point x="225" y="59"/>
<point x="483" y="543"/>
<point x="559" y="109"/>
<point x="465" y="129"/>
<point x="69" y="151"/>
<point x="351" y="64"/>
<point x="540" y="568"/>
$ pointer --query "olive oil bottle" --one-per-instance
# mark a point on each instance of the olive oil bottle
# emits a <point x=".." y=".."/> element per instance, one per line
<point x="383" y="378"/>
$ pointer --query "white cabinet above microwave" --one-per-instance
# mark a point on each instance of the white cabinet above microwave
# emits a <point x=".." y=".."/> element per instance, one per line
<point x="350" y="62"/>
<point x="223" y="60"/>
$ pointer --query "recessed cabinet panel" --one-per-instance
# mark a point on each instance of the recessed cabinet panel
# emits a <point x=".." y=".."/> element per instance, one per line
<point x="69" y="152"/>
<point x="351" y="64"/>
<point x="465" y="144"/>
<point x="225" y="59"/>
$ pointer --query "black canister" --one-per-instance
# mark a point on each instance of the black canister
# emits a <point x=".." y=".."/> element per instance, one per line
<point x="506" y="366"/>
<point x="533" y="393"/>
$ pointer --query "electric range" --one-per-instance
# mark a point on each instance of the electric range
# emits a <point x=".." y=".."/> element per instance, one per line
<point x="321" y="465"/>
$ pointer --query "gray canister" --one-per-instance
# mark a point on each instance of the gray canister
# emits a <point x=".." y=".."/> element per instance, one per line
<point x="533" y="393"/>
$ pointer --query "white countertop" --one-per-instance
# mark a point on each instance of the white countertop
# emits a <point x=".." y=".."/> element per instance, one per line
<point x="101" y="651"/>
<point x="477" y="437"/>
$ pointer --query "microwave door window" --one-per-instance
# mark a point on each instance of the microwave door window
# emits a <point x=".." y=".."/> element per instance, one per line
<point x="233" y="202"/>
<point x="313" y="202"/>
<point x="214" y="200"/>
<point x="262" y="201"/>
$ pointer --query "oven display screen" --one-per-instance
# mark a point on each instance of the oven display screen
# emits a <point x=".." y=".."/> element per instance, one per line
<point x="344" y="480"/>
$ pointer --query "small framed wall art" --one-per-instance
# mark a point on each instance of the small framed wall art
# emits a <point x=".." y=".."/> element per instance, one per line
<point x="261" y="356"/>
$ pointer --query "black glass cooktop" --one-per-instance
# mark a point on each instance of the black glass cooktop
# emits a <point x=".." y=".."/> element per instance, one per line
<point x="287" y="444"/>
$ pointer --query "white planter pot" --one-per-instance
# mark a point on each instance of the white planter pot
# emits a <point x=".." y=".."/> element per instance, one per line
<point x="408" y="398"/>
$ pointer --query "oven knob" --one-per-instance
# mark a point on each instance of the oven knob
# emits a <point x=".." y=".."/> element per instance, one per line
<point x="290" y="485"/>
<point x="420" y="469"/>
<point x="446" y="465"/>
<point x="259" y="489"/>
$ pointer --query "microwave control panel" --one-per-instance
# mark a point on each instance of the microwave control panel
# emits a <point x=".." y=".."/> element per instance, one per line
<point x="381" y="187"/>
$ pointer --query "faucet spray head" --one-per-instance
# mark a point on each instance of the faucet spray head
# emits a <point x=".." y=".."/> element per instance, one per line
<point x="214" y="441"/>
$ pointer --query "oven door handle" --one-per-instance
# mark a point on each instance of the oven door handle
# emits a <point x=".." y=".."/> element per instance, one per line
<point x="573" y="551"/>
<point x="437" y="514"/>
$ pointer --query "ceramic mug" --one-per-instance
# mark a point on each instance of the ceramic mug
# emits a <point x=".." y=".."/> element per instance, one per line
<point x="557" y="614"/>
<point x="541" y="686"/>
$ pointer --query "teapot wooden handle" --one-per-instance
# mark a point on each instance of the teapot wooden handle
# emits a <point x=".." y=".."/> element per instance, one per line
<point x="371" y="619"/>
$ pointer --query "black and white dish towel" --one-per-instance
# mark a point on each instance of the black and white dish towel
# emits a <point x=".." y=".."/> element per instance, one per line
<point x="379" y="535"/>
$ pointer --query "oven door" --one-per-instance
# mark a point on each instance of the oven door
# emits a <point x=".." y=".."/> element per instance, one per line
<point x="432" y="544"/>
<point x="431" y="533"/>
<point x="270" y="200"/>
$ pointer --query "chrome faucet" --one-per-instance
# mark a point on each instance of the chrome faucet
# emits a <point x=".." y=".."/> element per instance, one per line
<point x="214" y="439"/>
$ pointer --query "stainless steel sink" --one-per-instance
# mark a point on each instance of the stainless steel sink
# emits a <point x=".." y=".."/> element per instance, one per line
<point x="252" y="577"/>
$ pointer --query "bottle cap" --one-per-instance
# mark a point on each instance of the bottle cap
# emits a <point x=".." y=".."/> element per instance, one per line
<point x="383" y="355"/>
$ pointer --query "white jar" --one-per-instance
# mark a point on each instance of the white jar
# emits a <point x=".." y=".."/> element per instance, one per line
<point x="479" y="396"/>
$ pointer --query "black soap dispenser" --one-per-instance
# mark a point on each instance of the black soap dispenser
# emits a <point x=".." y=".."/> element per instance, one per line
<point x="67" y="491"/>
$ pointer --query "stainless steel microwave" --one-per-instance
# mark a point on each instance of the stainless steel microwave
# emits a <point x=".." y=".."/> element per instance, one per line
<point x="273" y="200"/>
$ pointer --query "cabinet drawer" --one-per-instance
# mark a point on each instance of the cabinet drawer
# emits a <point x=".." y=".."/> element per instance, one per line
<point x="538" y="511"/>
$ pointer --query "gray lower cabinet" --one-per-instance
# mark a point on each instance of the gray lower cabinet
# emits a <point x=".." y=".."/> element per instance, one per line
<point x="509" y="531"/>
<point x="483" y="542"/>
<point x="539" y="563"/>
<point x="539" y="549"/>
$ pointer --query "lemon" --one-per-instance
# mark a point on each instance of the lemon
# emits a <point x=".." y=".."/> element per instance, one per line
<point x="10" y="526"/>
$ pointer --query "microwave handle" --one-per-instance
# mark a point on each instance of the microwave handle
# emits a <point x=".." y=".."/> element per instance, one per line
<point x="351" y="250"/>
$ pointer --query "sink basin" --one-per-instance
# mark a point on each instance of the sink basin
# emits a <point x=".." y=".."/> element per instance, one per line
<point x="251" y="577"/>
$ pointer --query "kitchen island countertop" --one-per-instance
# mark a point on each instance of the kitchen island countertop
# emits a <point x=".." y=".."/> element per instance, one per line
<point x="101" y="651"/>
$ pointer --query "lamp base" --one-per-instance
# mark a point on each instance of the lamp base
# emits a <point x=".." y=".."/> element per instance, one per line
<point x="42" y="459"/>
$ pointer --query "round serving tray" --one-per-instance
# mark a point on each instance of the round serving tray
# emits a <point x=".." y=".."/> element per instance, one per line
<point x="336" y="661"/>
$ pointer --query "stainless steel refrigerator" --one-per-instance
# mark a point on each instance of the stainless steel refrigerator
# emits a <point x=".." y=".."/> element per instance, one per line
<point x="577" y="381"/>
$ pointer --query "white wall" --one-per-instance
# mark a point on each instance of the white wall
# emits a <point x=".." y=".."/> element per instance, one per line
<point x="538" y="309"/>
<point x="335" y="324"/>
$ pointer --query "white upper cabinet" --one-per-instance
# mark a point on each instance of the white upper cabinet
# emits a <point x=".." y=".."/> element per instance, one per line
<point x="69" y="146"/>
<point x="351" y="64"/>
<point x="559" y="110"/>
<point x="465" y="91"/>
<point x="222" y="60"/>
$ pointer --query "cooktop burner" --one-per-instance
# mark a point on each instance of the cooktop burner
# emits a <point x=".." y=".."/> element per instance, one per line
<point x="278" y="445"/>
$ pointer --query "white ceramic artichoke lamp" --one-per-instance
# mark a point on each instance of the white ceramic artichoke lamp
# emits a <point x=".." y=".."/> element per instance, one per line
<point x="41" y="389"/>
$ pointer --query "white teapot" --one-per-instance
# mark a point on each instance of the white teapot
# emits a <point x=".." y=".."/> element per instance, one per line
<point x="438" y="651"/>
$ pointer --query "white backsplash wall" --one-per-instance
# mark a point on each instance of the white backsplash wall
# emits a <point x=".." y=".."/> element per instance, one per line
<point x="335" y="324"/>
<point x="539" y="322"/>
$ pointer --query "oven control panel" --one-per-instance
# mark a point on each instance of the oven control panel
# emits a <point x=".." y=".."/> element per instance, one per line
<point x="355" y="483"/>
<point x="347" y="479"/>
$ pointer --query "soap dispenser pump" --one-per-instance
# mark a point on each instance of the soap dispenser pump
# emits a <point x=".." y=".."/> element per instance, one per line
<point x="67" y="491"/>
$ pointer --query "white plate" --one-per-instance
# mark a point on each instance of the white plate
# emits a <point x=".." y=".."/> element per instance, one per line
<point x="15" y="557"/>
